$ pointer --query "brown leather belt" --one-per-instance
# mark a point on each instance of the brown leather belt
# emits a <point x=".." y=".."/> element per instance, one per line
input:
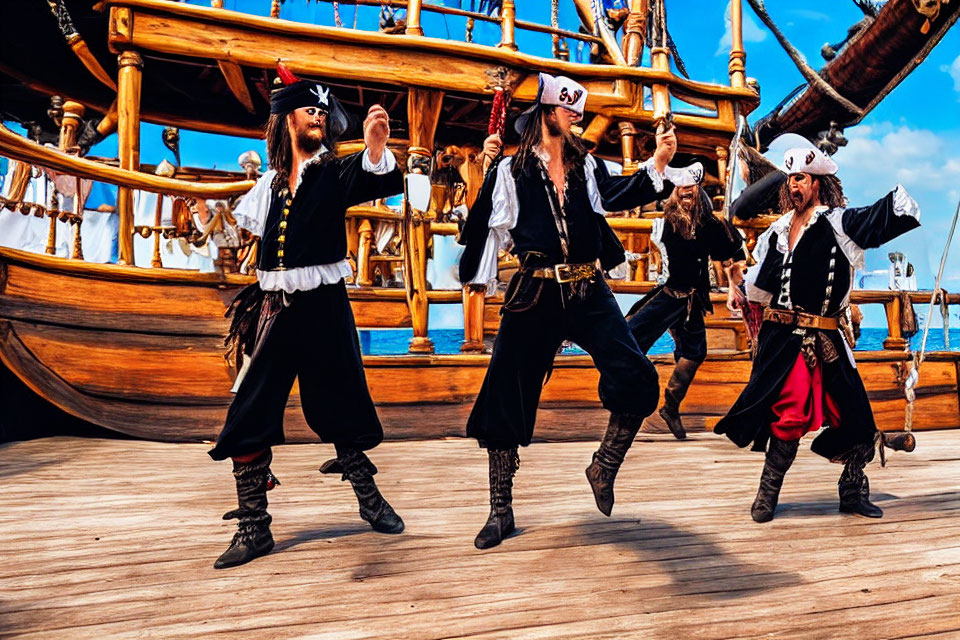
<point x="799" y="319"/>
<point x="567" y="272"/>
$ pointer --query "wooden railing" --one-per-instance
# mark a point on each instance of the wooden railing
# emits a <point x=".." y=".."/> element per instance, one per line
<point x="506" y="20"/>
<point x="634" y="231"/>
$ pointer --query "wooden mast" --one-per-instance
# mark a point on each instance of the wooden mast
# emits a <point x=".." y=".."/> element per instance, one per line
<point x="738" y="57"/>
<point x="128" y="134"/>
<point x="423" y="114"/>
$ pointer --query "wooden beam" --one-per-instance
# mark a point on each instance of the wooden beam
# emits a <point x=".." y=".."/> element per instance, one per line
<point x="402" y="60"/>
<point x="19" y="148"/>
<point x="233" y="74"/>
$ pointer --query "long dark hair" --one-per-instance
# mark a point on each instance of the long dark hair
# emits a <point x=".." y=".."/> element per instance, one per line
<point x="574" y="149"/>
<point x="687" y="225"/>
<point x="280" y="147"/>
<point x="831" y="193"/>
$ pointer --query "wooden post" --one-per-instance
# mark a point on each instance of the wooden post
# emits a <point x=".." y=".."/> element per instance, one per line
<point x="626" y="147"/>
<point x="633" y="30"/>
<point x="156" y="262"/>
<point x="69" y="123"/>
<point x="508" y="18"/>
<point x="53" y="212"/>
<point x="894" y="340"/>
<point x="78" y="202"/>
<point x="72" y="114"/>
<point x="423" y="113"/>
<point x="722" y="155"/>
<point x="738" y="57"/>
<point x="413" y="18"/>
<point x="660" y="61"/>
<point x="363" y="254"/>
<point x="473" y="299"/>
<point x="128" y="134"/>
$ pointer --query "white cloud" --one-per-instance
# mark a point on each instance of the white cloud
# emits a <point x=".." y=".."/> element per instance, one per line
<point x="885" y="155"/>
<point x="752" y="32"/>
<point x="954" y="71"/>
<point x="811" y="15"/>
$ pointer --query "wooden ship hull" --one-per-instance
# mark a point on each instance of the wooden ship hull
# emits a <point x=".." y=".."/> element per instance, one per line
<point x="139" y="351"/>
<point x="89" y="339"/>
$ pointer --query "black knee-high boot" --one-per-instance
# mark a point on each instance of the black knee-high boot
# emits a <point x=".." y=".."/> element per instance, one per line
<point x="253" y="538"/>
<point x="358" y="469"/>
<point x="674" y="393"/>
<point x="503" y="465"/>
<point x="602" y="472"/>
<point x="780" y="455"/>
<point x="854" y="487"/>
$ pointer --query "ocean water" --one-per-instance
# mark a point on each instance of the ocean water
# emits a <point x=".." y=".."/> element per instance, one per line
<point x="388" y="342"/>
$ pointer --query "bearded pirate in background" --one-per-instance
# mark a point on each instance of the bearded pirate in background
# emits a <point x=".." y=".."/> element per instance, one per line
<point x="297" y="318"/>
<point x="804" y="375"/>
<point x="688" y="237"/>
<point x="547" y="205"/>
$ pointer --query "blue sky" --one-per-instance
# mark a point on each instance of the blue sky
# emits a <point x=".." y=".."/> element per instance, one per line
<point x="912" y="137"/>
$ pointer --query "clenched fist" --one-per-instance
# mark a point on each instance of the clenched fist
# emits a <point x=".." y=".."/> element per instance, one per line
<point x="376" y="130"/>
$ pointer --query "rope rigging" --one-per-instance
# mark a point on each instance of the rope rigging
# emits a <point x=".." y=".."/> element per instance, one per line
<point x="913" y="377"/>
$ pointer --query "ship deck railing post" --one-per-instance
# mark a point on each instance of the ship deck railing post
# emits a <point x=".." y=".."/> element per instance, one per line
<point x="413" y="18"/>
<point x="508" y="19"/>
<point x="364" y="247"/>
<point x="128" y="133"/>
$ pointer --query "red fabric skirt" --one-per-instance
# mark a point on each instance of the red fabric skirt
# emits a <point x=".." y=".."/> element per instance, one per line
<point x="803" y="404"/>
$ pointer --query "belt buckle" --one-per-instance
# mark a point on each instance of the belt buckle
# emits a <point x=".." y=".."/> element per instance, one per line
<point x="564" y="273"/>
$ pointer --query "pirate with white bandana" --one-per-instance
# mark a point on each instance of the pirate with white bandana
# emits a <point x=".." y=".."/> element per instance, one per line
<point x="296" y="322"/>
<point x="547" y="204"/>
<point x="804" y="376"/>
<point x="688" y="237"/>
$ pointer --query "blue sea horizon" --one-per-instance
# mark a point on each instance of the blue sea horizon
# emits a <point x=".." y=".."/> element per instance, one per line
<point x="390" y="342"/>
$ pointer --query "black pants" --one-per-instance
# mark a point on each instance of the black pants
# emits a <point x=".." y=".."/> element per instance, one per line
<point x="313" y="339"/>
<point x="506" y="409"/>
<point x="662" y="312"/>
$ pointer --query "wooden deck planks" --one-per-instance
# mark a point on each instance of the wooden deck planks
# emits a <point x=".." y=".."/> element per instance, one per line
<point x="117" y="538"/>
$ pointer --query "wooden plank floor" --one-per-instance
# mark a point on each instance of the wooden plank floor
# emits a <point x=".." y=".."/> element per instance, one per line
<point x="116" y="539"/>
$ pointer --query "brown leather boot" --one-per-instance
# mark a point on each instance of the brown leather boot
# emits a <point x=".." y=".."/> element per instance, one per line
<point x="253" y="538"/>
<point x="854" y="487"/>
<point x="674" y="393"/>
<point x="500" y="524"/>
<point x="780" y="455"/>
<point x="602" y="472"/>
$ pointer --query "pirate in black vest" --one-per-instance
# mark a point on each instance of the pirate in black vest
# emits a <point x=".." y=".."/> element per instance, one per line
<point x="296" y="321"/>
<point x="547" y="205"/>
<point x="804" y="376"/>
<point x="688" y="237"/>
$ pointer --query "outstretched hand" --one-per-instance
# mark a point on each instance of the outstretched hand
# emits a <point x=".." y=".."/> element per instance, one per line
<point x="666" y="148"/>
<point x="376" y="130"/>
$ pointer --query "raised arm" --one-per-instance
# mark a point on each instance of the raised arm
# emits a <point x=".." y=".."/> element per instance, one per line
<point x="372" y="173"/>
<point x="619" y="193"/>
<point x="890" y="216"/>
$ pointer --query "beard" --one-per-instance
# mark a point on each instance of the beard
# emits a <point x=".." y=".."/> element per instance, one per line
<point x="553" y="128"/>
<point x="801" y="201"/>
<point x="309" y="143"/>
<point x="680" y="217"/>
